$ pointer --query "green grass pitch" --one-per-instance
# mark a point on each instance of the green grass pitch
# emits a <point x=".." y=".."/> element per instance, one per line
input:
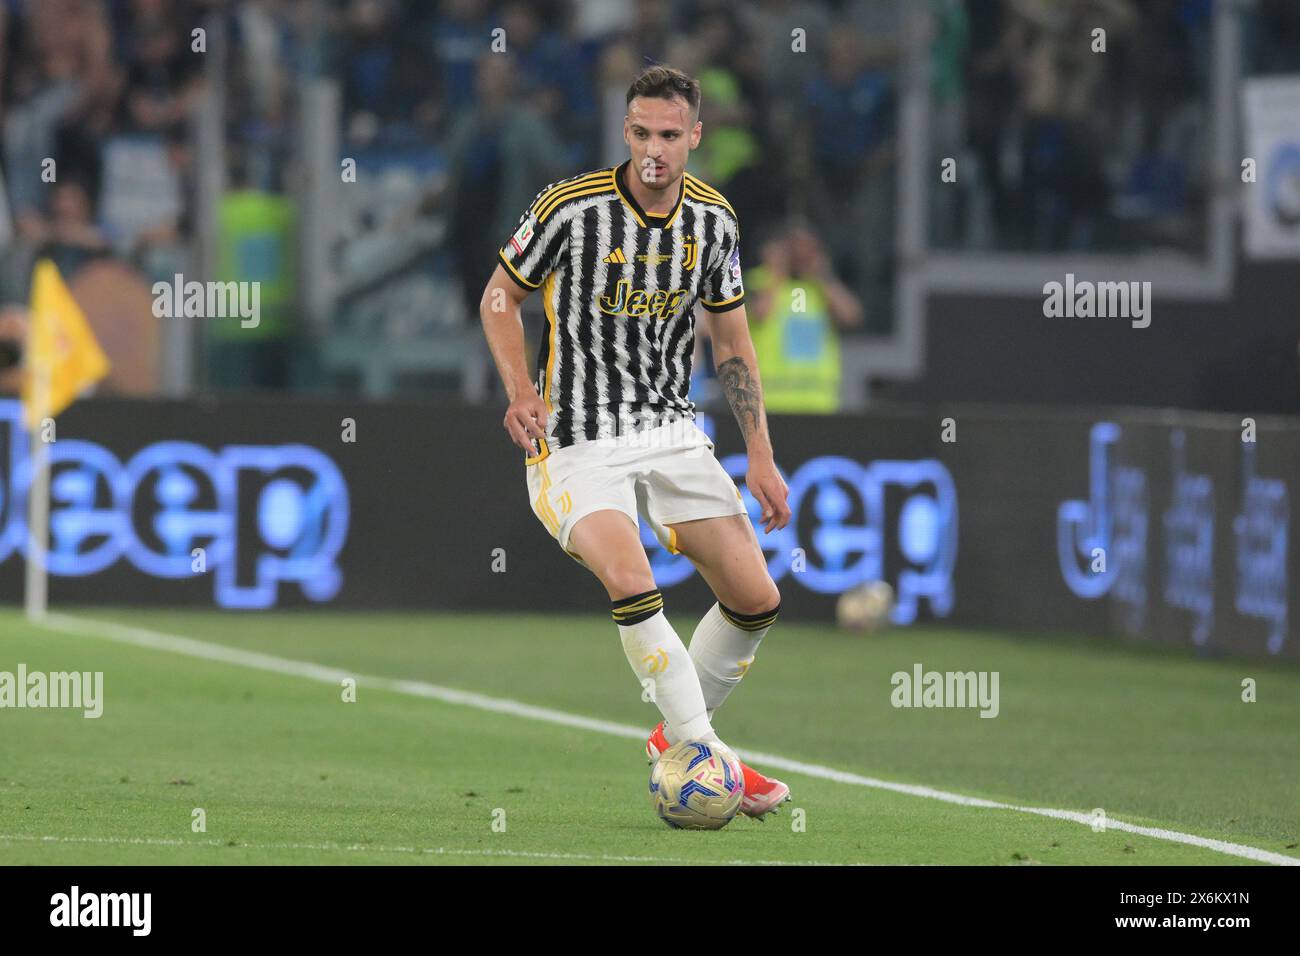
<point x="285" y="771"/>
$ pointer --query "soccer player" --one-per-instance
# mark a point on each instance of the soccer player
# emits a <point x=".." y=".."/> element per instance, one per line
<point x="621" y="255"/>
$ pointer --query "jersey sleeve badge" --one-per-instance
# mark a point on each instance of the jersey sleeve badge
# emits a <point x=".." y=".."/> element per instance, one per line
<point x="523" y="236"/>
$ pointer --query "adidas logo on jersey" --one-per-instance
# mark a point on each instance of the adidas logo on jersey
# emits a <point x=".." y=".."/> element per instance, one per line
<point x="688" y="256"/>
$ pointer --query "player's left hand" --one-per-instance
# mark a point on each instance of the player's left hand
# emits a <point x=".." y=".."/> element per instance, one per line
<point x="769" y="489"/>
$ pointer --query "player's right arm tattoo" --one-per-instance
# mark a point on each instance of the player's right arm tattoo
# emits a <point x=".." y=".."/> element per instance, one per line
<point x="742" y="394"/>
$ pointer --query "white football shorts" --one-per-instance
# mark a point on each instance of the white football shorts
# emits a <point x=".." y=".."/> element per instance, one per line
<point x="667" y="473"/>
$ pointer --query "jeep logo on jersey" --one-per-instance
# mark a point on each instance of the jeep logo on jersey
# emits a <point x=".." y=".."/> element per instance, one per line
<point x="626" y="300"/>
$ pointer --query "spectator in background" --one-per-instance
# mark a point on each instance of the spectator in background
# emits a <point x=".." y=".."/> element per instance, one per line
<point x="1162" y="90"/>
<point x="256" y="244"/>
<point x="728" y="157"/>
<point x="647" y="36"/>
<point x="68" y="94"/>
<point x="500" y="154"/>
<point x="387" y="89"/>
<point x="990" y="85"/>
<point x="68" y="235"/>
<point x="797" y="310"/>
<point x="1044" y="114"/>
<point x="159" y="249"/>
<point x="62" y="84"/>
<point x="64" y="231"/>
<point x="773" y="78"/>
<point x="457" y="34"/>
<point x="776" y="26"/>
<point x="1066" y="194"/>
<point x="163" y="79"/>
<point x="850" y="131"/>
<point x="653" y="30"/>
<point x="554" y="78"/>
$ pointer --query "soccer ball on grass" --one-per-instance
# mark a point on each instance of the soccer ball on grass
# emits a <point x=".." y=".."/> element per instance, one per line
<point x="696" y="786"/>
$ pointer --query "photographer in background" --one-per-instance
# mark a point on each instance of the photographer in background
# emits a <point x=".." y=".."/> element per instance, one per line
<point x="799" y="310"/>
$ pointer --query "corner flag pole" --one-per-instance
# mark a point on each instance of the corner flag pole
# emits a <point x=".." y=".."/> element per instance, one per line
<point x="63" y="358"/>
<point x="36" y="598"/>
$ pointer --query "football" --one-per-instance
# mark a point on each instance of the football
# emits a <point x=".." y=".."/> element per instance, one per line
<point x="865" y="608"/>
<point x="696" y="786"/>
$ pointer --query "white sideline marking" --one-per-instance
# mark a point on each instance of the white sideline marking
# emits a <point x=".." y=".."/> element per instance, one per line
<point x="155" y="640"/>
<point x="423" y="851"/>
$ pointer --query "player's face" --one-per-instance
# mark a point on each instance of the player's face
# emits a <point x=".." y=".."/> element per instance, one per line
<point x="661" y="134"/>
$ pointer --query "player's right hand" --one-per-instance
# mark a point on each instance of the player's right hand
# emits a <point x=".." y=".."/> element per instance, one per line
<point x="526" y="420"/>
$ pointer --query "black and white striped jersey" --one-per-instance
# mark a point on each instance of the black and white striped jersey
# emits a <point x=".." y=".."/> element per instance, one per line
<point x="619" y="287"/>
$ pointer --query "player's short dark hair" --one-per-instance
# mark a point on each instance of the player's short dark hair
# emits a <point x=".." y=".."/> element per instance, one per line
<point x="665" y="82"/>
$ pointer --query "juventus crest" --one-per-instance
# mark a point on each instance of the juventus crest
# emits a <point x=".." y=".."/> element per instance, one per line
<point x="688" y="253"/>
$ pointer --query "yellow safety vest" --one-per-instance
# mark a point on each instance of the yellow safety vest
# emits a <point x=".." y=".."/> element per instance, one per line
<point x="798" y="352"/>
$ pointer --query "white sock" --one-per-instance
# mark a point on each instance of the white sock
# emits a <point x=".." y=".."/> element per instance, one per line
<point x="723" y="647"/>
<point x="656" y="653"/>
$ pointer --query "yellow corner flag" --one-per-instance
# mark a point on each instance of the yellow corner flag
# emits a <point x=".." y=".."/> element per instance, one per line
<point x="62" y="352"/>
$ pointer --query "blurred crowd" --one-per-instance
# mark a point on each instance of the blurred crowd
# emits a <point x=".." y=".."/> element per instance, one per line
<point x="786" y="133"/>
<point x="76" y="74"/>
<point x="94" y="105"/>
<point x="1082" y="123"/>
<point x="1059" y="148"/>
<point x="1083" y="141"/>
